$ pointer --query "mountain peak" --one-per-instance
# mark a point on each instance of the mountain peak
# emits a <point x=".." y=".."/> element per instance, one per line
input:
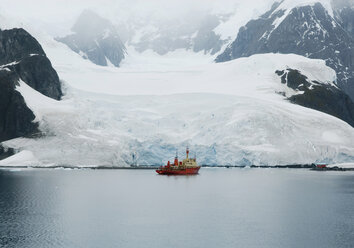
<point x="89" y="22"/>
<point x="95" y="38"/>
<point x="306" y="28"/>
<point x="288" y="5"/>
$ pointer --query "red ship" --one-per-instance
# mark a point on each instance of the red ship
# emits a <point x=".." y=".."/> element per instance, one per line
<point x="188" y="166"/>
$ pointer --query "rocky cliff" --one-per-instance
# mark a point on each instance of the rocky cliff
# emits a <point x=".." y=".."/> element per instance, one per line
<point x="21" y="53"/>
<point x="16" y="119"/>
<point x="308" y="30"/>
<point x="22" y="58"/>
<point x="323" y="97"/>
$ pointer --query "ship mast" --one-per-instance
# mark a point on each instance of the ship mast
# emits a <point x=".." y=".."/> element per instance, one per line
<point x="187" y="151"/>
<point x="176" y="159"/>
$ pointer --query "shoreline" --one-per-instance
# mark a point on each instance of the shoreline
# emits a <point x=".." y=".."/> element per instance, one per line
<point x="147" y="167"/>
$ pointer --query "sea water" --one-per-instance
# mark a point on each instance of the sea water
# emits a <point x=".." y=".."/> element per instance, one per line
<point x="138" y="208"/>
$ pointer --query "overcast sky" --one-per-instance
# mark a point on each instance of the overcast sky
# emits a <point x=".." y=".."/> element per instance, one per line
<point x="54" y="9"/>
<point x="64" y="12"/>
<point x="57" y="16"/>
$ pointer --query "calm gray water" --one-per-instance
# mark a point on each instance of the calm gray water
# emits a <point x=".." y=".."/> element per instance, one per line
<point x="136" y="208"/>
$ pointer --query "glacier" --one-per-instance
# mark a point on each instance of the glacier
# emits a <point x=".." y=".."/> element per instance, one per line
<point x="228" y="113"/>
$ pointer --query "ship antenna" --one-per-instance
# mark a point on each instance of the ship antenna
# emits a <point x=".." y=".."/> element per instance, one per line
<point x="176" y="153"/>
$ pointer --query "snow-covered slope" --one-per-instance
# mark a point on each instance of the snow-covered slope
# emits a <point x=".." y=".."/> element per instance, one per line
<point x="143" y="116"/>
<point x="308" y="28"/>
<point x="229" y="113"/>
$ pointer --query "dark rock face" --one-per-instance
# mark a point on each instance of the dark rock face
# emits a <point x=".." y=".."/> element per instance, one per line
<point x="17" y="44"/>
<point x="206" y="40"/>
<point x="247" y="41"/>
<point x="96" y="39"/>
<point x="322" y="97"/>
<point x="22" y="58"/>
<point x="6" y="152"/>
<point x="37" y="72"/>
<point x="22" y="53"/>
<point x="16" y="119"/>
<point x="308" y="31"/>
<point x="345" y="17"/>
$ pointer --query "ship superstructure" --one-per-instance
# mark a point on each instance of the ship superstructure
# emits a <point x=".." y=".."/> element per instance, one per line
<point x="187" y="166"/>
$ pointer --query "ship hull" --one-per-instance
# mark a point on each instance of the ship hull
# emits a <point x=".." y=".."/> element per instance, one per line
<point x="185" y="171"/>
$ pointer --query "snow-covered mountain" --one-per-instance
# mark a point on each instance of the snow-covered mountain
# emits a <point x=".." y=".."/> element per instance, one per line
<point x="240" y="112"/>
<point x="95" y="39"/>
<point x="195" y="34"/>
<point x="206" y="29"/>
<point x="307" y="28"/>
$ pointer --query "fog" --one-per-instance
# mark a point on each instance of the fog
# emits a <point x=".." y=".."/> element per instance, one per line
<point x="343" y="3"/>
<point x="155" y="19"/>
<point x="57" y="16"/>
<point x="56" y="9"/>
